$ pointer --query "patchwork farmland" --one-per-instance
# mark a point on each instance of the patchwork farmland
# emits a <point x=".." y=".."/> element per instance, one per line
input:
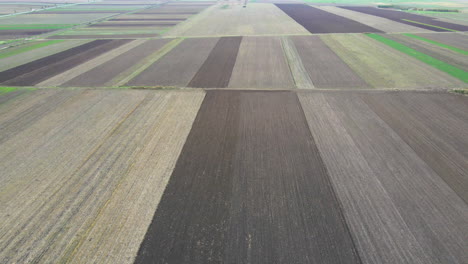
<point x="186" y="131"/>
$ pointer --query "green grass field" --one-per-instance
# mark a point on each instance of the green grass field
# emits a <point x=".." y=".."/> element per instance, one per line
<point x="445" y="67"/>
<point x="4" y="90"/>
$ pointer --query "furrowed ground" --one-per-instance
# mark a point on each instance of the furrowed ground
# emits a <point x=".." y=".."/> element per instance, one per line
<point x="233" y="132"/>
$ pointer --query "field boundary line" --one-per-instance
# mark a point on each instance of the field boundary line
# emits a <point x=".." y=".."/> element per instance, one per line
<point x="464" y="52"/>
<point x="429" y="25"/>
<point x="438" y="64"/>
<point x="299" y="74"/>
<point x="138" y="68"/>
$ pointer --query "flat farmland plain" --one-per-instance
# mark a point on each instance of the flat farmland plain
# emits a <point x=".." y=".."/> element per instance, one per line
<point x="367" y="157"/>
<point x="177" y="67"/>
<point x="82" y="68"/>
<point x="42" y="19"/>
<point x="384" y="67"/>
<point x="380" y="23"/>
<point x="214" y="168"/>
<point x="168" y="175"/>
<point x="454" y="39"/>
<point x="143" y="22"/>
<point x="410" y="19"/>
<point x="39" y="70"/>
<point x="207" y="132"/>
<point x="216" y="71"/>
<point x="35" y="54"/>
<point x="324" y="67"/>
<point x="316" y="20"/>
<point x="91" y="191"/>
<point x="261" y="63"/>
<point x="443" y="54"/>
<point x="104" y="73"/>
<point x="233" y="20"/>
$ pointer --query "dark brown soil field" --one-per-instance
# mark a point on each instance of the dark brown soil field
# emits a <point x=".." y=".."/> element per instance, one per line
<point x="40" y="70"/>
<point x="217" y="69"/>
<point x="325" y="68"/>
<point x="433" y="127"/>
<point x="319" y="21"/>
<point x="399" y="16"/>
<point x="397" y="207"/>
<point x="177" y="67"/>
<point x="309" y="176"/>
<point x="37" y="64"/>
<point x="107" y="71"/>
<point x="256" y="144"/>
<point x="10" y="127"/>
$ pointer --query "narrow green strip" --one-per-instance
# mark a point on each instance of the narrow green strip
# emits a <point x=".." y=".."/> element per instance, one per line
<point x="28" y="48"/>
<point x="445" y="67"/>
<point x="429" y="25"/>
<point x="4" y="90"/>
<point x="464" y="52"/>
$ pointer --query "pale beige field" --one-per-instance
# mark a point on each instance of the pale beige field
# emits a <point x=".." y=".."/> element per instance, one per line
<point x="85" y="174"/>
<point x="233" y="20"/>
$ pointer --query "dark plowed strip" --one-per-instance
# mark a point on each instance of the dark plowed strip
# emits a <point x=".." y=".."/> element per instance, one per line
<point x="105" y="72"/>
<point x="432" y="132"/>
<point x="116" y="36"/>
<point x="325" y="68"/>
<point x="249" y="187"/>
<point x="133" y="25"/>
<point x="44" y="62"/>
<point x="54" y="68"/>
<point x="217" y="69"/>
<point x="148" y="19"/>
<point x="319" y="21"/>
<point x="399" y="16"/>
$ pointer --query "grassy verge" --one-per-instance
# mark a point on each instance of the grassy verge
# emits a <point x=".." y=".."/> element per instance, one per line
<point x="8" y="41"/>
<point x="4" y="90"/>
<point x="28" y="48"/>
<point x="464" y="52"/>
<point x="461" y="91"/>
<point x="415" y="22"/>
<point x="445" y="67"/>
